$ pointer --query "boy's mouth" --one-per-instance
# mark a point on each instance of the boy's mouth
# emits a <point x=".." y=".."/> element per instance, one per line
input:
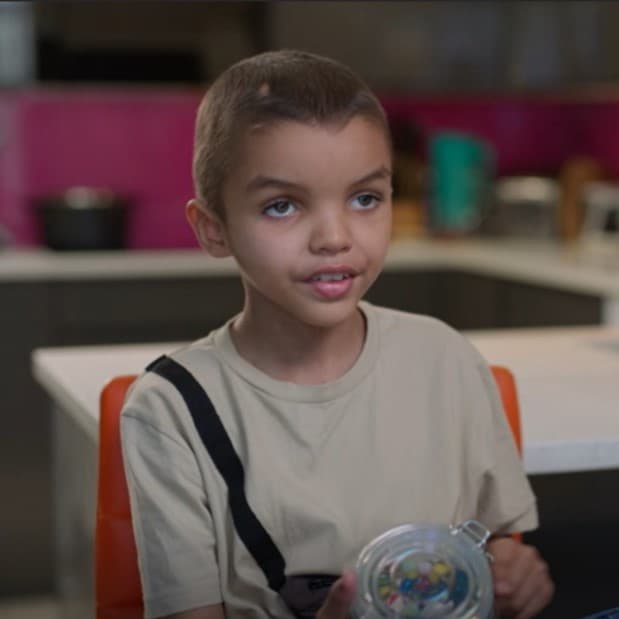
<point x="332" y="274"/>
<point x="330" y="277"/>
<point x="332" y="283"/>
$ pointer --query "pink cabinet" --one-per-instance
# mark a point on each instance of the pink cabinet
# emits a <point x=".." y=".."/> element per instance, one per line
<point x="136" y="143"/>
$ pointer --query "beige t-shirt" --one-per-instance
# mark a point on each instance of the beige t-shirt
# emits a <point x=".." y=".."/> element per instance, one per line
<point x="413" y="432"/>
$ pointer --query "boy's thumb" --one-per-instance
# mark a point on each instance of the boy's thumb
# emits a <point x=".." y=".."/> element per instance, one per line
<point x="340" y="598"/>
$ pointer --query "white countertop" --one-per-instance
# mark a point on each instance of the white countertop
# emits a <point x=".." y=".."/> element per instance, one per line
<point x="568" y="383"/>
<point x="534" y="262"/>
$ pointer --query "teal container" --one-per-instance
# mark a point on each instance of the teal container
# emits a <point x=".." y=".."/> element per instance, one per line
<point x="462" y="169"/>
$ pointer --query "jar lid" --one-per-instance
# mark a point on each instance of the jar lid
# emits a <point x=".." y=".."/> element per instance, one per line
<point x="426" y="571"/>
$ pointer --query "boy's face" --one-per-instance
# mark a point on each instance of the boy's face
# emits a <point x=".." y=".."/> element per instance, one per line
<point x="308" y="217"/>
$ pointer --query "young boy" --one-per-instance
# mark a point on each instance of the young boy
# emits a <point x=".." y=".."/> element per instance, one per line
<point x="326" y="420"/>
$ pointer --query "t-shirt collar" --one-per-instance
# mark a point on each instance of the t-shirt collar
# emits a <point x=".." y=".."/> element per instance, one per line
<point x="322" y="392"/>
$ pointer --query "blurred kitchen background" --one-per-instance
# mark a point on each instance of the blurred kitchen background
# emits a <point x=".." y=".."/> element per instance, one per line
<point x="506" y="128"/>
<point x="102" y="94"/>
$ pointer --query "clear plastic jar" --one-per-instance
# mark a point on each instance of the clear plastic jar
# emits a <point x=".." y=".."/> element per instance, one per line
<point x="426" y="572"/>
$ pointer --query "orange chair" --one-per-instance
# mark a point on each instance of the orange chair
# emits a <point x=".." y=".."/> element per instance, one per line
<point x="507" y="389"/>
<point x="118" y="591"/>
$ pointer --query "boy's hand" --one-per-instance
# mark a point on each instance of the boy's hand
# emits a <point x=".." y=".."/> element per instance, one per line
<point x="522" y="584"/>
<point x="340" y="598"/>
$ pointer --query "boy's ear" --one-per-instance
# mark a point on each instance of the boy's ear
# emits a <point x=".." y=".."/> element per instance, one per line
<point x="208" y="228"/>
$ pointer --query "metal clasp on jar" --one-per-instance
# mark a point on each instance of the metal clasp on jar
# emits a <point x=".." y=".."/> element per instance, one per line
<point x="475" y="531"/>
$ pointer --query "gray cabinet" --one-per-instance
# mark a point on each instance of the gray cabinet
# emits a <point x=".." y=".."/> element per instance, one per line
<point x="467" y="301"/>
<point x="25" y="481"/>
<point x="470" y="301"/>
<point x="411" y="291"/>
<point x="141" y="310"/>
<point x="525" y="305"/>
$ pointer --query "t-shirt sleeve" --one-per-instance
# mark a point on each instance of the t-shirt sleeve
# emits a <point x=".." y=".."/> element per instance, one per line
<point x="171" y="520"/>
<point x="505" y="501"/>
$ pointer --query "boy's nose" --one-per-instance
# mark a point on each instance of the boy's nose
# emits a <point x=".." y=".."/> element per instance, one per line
<point x="330" y="234"/>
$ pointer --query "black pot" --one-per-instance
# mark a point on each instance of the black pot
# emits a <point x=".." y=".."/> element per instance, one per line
<point x="83" y="218"/>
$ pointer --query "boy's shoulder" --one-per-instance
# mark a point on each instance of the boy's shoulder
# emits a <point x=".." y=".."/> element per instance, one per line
<point x="401" y="323"/>
<point x="197" y="356"/>
<point x="420" y="333"/>
<point x="151" y="397"/>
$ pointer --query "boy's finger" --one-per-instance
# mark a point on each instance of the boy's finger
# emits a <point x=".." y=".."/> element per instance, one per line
<point x="535" y="592"/>
<point x="529" y="595"/>
<point x="540" y="600"/>
<point x="525" y="595"/>
<point x="340" y="597"/>
<point x="512" y="568"/>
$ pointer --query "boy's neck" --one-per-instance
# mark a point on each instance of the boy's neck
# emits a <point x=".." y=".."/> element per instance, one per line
<point x="299" y="354"/>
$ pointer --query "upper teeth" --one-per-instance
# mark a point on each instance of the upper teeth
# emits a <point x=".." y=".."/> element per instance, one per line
<point x="330" y="277"/>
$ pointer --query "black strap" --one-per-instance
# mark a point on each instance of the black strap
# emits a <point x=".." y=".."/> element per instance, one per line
<point x="218" y="444"/>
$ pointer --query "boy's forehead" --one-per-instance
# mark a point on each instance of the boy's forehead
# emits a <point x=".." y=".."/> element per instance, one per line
<point x="298" y="135"/>
<point x="301" y="151"/>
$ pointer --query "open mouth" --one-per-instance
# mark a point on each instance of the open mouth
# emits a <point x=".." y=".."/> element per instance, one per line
<point x="330" y="277"/>
<point x="332" y="285"/>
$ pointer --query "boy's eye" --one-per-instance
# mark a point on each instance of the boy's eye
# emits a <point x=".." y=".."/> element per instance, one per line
<point x="280" y="208"/>
<point x="365" y="201"/>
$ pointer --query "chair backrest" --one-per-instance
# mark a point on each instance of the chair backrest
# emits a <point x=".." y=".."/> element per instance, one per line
<point x="507" y="389"/>
<point x="118" y="591"/>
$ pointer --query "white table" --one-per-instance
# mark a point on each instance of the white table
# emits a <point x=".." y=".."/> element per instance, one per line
<point x="568" y="383"/>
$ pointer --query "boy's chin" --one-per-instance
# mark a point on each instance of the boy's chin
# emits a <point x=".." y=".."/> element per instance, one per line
<point x="328" y="315"/>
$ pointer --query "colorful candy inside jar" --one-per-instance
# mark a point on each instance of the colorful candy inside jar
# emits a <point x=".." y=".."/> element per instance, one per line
<point x="425" y="572"/>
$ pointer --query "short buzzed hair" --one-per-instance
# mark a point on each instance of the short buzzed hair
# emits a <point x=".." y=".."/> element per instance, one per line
<point x="285" y="85"/>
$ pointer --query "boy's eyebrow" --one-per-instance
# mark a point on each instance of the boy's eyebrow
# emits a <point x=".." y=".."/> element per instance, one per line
<point x="260" y="181"/>
<point x="382" y="172"/>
